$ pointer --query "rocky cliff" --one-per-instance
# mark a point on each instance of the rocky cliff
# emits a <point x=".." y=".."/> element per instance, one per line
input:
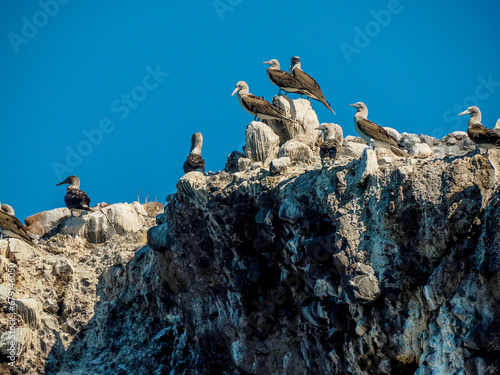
<point x="376" y="265"/>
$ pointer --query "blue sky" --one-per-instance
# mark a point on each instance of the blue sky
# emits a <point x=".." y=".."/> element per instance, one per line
<point x="123" y="85"/>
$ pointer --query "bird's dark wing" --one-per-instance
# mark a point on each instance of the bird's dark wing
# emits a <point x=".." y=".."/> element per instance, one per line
<point x="376" y="132"/>
<point x="12" y="227"/>
<point x="77" y="199"/>
<point x="330" y="149"/>
<point x="481" y="134"/>
<point x="284" y="80"/>
<point x="310" y="87"/>
<point x="259" y="105"/>
<point x="193" y="163"/>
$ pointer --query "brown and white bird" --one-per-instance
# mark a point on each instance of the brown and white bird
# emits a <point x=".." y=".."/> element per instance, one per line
<point x="479" y="134"/>
<point x="330" y="149"/>
<point x="11" y="227"/>
<point x="75" y="199"/>
<point x="194" y="161"/>
<point x="257" y="106"/>
<point x="308" y="85"/>
<point x="284" y="80"/>
<point x="7" y="209"/>
<point x="373" y="133"/>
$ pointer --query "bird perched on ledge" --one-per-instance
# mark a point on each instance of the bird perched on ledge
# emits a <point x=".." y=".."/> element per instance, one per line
<point x="284" y="80"/>
<point x="7" y="209"/>
<point x="75" y="199"/>
<point x="307" y="84"/>
<point x="257" y="105"/>
<point x="479" y="134"/>
<point x="372" y="133"/>
<point x="11" y="227"/>
<point x="330" y="149"/>
<point x="194" y="160"/>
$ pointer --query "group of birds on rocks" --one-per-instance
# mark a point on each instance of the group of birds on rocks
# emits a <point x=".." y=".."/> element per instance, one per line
<point x="294" y="81"/>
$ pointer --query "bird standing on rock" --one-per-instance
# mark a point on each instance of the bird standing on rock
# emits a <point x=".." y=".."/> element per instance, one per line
<point x="307" y="84"/>
<point x="330" y="149"/>
<point x="11" y="227"/>
<point x="284" y="80"/>
<point x="257" y="106"/>
<point x="372" y="133"/>
<point x="75" y="199"/>
<point x="194" y="160"/>
<point x="479" y="134"/>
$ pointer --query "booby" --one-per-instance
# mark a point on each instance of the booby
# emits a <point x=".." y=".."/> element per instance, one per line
<point x="194" y="160"/>
<point x="372" y="133"/>
<point x="257" y="105"/>
<point x="11" y="227"/>
<point x="331" y="148"/>
<point x="496" y="129"/>
<point x="75" y="199"/>
<point x="284" y="80"/>
<point x="479" y="134"/>
<point x="7" y="209"/>
<point x="307" y="84"/>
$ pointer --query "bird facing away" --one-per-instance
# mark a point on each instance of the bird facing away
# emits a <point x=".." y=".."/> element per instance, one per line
<point x="257" y="105"/>
<point x="479" y="134"/>
<point x="496" y="129"/>
<point x="372" y="133"/>
<point x="7" y="209"/>
<point x="11" y="227"/>
<point x="75" y="199"/>
<point x="307" y="84"/>
<point x="194" y="160"/>
<point x="330" y="149"/>
<point x="284" y="80"/>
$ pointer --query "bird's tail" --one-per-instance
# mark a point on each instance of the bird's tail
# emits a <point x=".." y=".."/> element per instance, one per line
<point x="327" y="105"/>
<point x="399" y="152"/>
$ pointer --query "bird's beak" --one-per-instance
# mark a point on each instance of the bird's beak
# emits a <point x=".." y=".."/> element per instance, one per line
<point x="267" y="62"/>
<point x="353" y="105"/>
<point x="466" y="112"/>
<point x="63" y="182"/>
<point x="319" y="128"/>
<point x="235" y="91"/>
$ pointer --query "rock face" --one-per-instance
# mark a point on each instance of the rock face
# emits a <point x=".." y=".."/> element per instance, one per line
<point x="376" y="265"/>
<point x="364" y="268"/>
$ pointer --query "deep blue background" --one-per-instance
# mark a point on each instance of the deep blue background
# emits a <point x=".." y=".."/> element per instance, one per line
<point x="415" y="71"/>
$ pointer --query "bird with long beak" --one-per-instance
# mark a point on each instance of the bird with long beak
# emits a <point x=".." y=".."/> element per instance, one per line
<point x="194" y="160"/>
<point x="257" y="106"/>
<point x="479" y="134"/>
<point x="372" y="133"/>
<point x="11" y="227"/>
<point x="330" y="149"/>
<point x="307" y="84"/>
<point x="75" y="199"/>
<point x="284" y="80"/>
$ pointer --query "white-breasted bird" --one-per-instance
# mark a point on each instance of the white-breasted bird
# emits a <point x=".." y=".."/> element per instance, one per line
<point x="479" y="134"/>
<point x="257" y="106"/>
<point x="308" y="84"/>
<point x="373" y="133"/>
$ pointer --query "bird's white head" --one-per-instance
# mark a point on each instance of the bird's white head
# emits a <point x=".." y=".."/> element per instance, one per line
<point x="241" y="87"/>
<point x="196" y="143"/>
<point x="72" y="180"/>
<point x="330" y="130"/>
<point x="274" y="63"/>
<point x="473" y="111"/>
